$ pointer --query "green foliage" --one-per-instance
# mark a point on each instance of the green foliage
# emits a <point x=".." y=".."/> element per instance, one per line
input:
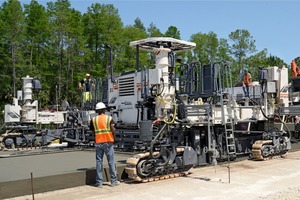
<point x="254" y="62"/>
<point x="13" y="28"/>
<point x="153" y="31"/>
<point x="242" y="44"/>
<point x="37" y="36"/>
<point x="206" y="47"/>
<point x="223" y="53"/>
<point x="172" y="32"/>
<point x="132" y="33"/>
<point x="102" y="26"/>
<point x="59" y="45"/>
<point x="273" y="61"/>
<point x="139" y="24"/>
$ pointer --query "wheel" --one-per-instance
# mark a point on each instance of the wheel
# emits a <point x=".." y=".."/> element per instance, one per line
<point x="145" y="167"/>
<point x="9" y="143"/>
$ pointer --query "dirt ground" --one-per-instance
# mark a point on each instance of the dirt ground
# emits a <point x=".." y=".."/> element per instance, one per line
<point x="259" y="180"/>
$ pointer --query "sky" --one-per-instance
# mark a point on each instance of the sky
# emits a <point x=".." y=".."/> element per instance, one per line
<point x="274" y="25"/>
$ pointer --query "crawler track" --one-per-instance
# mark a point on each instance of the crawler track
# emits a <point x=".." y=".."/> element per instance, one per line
<point x="261" y="151"/>
<point x="141" y="168"/>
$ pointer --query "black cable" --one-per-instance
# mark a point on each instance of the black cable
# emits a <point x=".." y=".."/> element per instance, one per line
<point x="157" y="94"/>
<point x="154" y="140"/>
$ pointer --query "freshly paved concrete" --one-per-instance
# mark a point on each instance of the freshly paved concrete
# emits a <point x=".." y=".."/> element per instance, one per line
<point x="250" y="180"/>
<point x="54" y="171"/>
<point x="50" y="171"/>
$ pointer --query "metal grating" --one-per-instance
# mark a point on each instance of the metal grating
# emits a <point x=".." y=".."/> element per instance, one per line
<point x="126" y="86"/>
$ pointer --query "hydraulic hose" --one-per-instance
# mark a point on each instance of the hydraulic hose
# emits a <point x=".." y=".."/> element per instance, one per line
<point x="287" y="129"/>
<point x="157" y="94"/>
<point x="154" y="140"/>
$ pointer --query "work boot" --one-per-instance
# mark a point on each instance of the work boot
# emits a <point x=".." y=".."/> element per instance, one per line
<point x="98" y="185"/>
<point x="115" y="184"/>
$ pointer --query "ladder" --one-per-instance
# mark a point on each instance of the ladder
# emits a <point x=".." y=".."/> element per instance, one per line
<point x="227" y="107"/>
<point x="222" y="79"/>
<point x="229" y="136"/>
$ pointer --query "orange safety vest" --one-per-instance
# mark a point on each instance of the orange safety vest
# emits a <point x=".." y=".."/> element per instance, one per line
<point x="102" y="129"/>
<point x="295" y="69"/>
<point x="247" y="78"/>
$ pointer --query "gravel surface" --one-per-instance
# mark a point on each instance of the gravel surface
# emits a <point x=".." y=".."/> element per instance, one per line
<point x="292" y="193"/>
<point x="277" y="179"/>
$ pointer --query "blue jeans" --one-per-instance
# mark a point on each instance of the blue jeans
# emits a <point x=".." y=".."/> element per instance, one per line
<point x="246" y="89"/>
<point x="108" y="149"/>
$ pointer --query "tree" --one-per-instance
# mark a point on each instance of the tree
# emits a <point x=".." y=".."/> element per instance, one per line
<point x="13" y="22"/>
<point x="139" y="24"/>
<point x="242" y="45"/>
<point x="273" y="61"/>
<point x="102" y="27"/>
<point x="132" y="33"/>
<point x="65" y="46"/>
<point x="254" y="62"/>
<point x="153" y="31"/>
<point x="75" y="52"/>
<point x="5" y="75"/>
<point x="172" y="32"/>
<point x="37" y="37"/>
<point x="59" y="45"/>
<point x="206" y="47"/>
<point x="223" y="53"/>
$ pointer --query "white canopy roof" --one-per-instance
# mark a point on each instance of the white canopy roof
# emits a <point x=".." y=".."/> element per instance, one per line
<point x="155" y="43"/>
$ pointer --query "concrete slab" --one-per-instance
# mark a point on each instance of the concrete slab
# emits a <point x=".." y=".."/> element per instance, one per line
<point x="51" y="171"/>
<point x="63" y="169"/>
<point x="249" y="180"/>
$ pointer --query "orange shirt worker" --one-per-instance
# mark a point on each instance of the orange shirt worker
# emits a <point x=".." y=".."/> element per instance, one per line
<point x="103" y="129"/>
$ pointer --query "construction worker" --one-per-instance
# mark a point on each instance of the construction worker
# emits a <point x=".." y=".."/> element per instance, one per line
<point x="103" y="128"/>
<point x="86" y="85"/>
<point x="295" y="69"/>
<point x="246" y="80"/>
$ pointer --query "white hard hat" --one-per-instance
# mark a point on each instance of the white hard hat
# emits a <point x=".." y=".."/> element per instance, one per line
<point x="100" y="106"/>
